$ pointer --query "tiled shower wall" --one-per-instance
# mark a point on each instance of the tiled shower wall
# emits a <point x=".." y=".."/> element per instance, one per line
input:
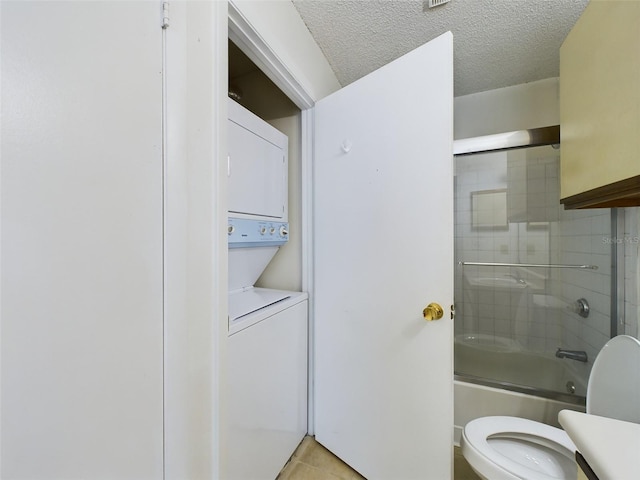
<point x="585" y="236"/>
<point x="581" y="238"/>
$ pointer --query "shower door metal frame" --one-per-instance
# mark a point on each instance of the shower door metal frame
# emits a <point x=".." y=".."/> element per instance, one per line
<point x="617" y="273"/>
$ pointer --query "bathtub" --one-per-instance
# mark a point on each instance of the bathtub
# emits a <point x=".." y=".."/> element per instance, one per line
<point x="505" y="360"/>
<point x="479" y="358"/>
<point x="474" y="401"/>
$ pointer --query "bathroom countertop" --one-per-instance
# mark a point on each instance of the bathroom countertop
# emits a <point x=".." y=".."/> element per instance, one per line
<point x="610" y="447"/>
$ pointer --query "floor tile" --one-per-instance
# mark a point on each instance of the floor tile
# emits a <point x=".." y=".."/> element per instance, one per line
<point x="314" y="454"/>
<point x="311" y="461"/>
<point x="296" y="470"/>
<point x="461" y="468"/>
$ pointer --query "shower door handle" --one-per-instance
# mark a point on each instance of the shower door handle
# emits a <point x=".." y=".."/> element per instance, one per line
<point x="433" y="311"/>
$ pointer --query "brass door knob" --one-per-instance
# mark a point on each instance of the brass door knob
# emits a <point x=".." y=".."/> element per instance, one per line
<point x="433" y="311"/>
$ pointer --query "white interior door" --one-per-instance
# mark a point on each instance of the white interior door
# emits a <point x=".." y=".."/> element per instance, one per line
<point x="383" y="243"/>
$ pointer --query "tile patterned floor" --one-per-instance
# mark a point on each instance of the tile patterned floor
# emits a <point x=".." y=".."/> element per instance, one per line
<point x="461" y="469"/>
<point x="311" y="461"/>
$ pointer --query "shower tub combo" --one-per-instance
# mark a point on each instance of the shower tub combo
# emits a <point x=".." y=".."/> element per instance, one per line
<point x="531" y="385"/>
<point x="523" y="346"/>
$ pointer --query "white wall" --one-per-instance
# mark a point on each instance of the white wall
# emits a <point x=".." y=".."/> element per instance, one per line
<point x="85" y="326"/>
<point x="279" y="25"/>
<point x="285" y="270"/>
<point x="519" y="107"/>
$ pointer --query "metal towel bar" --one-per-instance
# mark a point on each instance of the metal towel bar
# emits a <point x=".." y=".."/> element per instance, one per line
<point x="528" y="265"/>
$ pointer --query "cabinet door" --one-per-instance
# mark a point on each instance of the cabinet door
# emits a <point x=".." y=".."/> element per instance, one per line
<point x="81" y="277"/>
<point x="600" y="107"/>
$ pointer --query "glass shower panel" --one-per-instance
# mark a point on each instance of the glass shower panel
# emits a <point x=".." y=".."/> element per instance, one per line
<point x="525" y="271"/>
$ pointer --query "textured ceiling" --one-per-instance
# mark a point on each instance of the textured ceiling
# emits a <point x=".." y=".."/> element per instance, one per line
<point x="497" y="43"/>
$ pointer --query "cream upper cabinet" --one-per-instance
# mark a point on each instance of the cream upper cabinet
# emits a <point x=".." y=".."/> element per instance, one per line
<point x="600" y="107"/>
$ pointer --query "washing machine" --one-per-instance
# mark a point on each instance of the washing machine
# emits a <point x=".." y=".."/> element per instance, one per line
<point x="267" y="347"/>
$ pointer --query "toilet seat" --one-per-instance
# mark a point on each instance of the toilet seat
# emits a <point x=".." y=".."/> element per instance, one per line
<point x="614" y="380"/>
<point x="503" y="448"/>
<point x="491" y="463"/>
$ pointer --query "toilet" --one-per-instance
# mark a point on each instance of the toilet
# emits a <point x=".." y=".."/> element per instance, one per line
<point x="512" y="448"/>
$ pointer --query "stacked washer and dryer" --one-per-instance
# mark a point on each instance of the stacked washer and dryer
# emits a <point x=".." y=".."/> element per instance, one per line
<point x="267" y="349"/>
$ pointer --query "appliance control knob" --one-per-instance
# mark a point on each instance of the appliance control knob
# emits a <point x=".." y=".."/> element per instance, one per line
<point x="272" y="230"/>
<point x="263" y="230"/>
<point x="283" y="231"/>
<point x="231" y="229"/>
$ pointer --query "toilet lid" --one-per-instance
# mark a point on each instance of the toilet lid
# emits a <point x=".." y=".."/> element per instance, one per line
<point x="614" y="384"/>
<point x="478" y="432"/>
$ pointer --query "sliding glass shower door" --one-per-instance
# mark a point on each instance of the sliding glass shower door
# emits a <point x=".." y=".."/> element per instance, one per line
<point x="533" y="281"/>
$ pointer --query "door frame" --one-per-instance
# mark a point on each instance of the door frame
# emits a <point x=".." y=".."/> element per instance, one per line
<point x="247" y="38"/>
<point x="195" y="233"/>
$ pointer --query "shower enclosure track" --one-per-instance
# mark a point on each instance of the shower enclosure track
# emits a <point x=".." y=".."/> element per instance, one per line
<point x="512" y="387"/>
<point x="532" y="265"/>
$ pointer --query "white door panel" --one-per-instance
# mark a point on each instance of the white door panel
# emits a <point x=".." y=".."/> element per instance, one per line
<point x="82" y="305"/>
<point x="383" y="240"/>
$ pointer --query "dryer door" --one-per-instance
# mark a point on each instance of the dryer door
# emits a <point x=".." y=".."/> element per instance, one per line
<point x="257" y="167"/>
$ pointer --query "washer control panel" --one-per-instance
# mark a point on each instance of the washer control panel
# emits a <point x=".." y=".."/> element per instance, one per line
<point x="242" y="232"/>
